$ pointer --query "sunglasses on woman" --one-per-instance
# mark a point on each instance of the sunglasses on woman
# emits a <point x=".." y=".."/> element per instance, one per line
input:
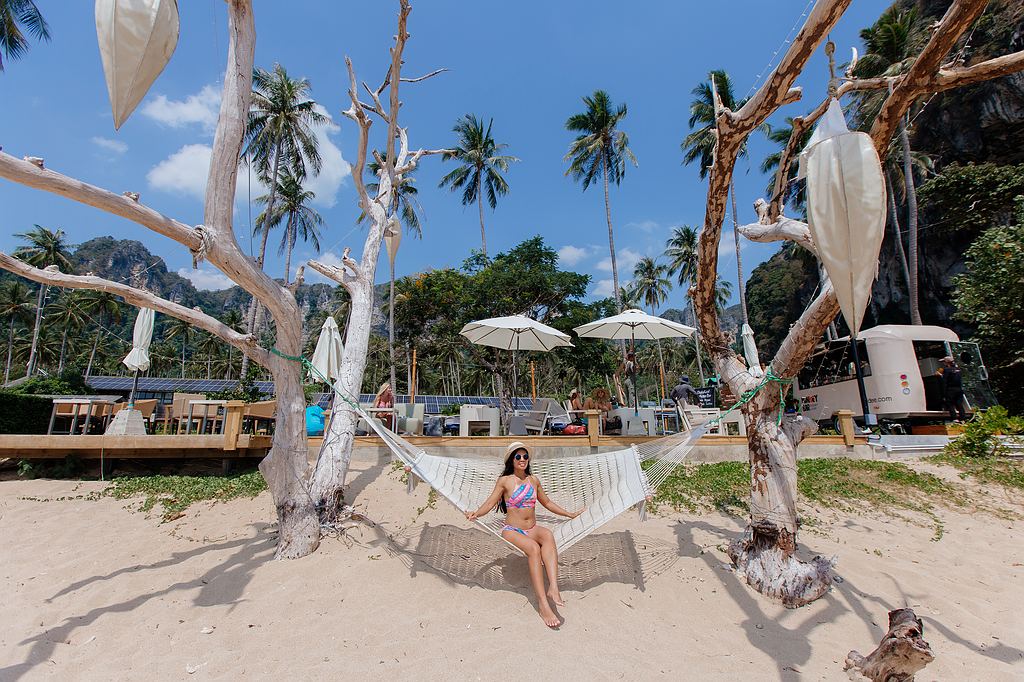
<point x="519" y="457"/>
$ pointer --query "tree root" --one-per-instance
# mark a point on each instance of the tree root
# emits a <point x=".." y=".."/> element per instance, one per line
<point x="762" y="559"/>
<point x="899" y="656"/>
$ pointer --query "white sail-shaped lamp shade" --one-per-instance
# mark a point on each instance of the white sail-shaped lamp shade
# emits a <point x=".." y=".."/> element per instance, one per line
<point x="392" y="239"/>
<point x="845" y="209"/>
<point x="136" y="39"/>
<point x="142" y="336"/>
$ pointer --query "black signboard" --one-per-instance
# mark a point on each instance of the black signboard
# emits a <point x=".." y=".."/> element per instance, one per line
<point x="708" y="396"/>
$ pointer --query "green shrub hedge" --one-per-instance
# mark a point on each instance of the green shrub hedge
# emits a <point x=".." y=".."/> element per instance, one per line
<point x="21" y="413"/>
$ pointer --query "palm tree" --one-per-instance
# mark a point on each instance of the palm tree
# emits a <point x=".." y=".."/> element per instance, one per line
<point x="16" y="308"/>
<point x="600" y="149"/>
<point x="481" y="169"/>
<point x="891" y="46"/>
<point x="173" y="330"/>
<point x="681" y="249"/>
<point x="699" y="145"/>
<point x="16" y="18"/>
<point x="69" y="316"/>
<point x="279" y="136"/>
<point x="781" y="136"/>
<point x="652" y="284"/>
<point x="107" y="308"/>
<point x="301" y="221"/>
<point x="232" y="319"/>
<point x="45" y="248"/>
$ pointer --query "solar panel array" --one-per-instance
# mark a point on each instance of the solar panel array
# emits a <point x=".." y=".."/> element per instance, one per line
<point x="433" y="404"/>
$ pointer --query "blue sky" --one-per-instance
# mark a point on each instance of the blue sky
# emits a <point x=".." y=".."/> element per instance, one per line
<point x="525" y="64"/>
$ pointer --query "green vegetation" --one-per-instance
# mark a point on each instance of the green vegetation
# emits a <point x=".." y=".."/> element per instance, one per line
<point x="989" y="295"/>
<point x="984" y="436"/>
<point x="988" y="470"/>
<point x="828" y="483"/>
<point x="174" y="494"/>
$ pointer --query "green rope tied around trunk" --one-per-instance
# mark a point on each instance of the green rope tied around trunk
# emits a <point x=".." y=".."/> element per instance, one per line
<point x="319" y="375"/>
<point x="769" y="377"/>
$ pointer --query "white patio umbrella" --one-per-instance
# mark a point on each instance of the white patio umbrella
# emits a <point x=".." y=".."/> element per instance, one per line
<point x="634" y="324"/>
<point x="515" y="333"/>
<point x="327" y="354"/>
<point x="137" y="359"/>
<point x="136" y="39"/>
<point x="845" y="209"/>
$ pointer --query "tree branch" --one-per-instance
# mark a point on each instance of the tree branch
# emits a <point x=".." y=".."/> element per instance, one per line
<point x="804" y="334"/>
<point x="423" y="78"/>
<point x="922" y="74"/>
<point x="782" y="229"/>
<point x="29" y="174"/>
<point x="143" y="299"/>
<point x="732" y="129"/>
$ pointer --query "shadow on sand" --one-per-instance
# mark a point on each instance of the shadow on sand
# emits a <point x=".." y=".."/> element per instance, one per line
<point x="468" y="556"/>
<point x="221" y="584"/>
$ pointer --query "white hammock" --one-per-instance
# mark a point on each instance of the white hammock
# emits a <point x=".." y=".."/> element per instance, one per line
<point x="604" y="485"/>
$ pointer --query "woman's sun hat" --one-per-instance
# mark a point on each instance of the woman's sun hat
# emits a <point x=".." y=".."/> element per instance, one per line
<point x="514" y="446"/>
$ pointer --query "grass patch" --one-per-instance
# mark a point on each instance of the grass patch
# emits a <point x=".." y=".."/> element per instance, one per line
<point x="829" y="483"/>
<point x="175" y="494"/>
<point x="988" y="469"/>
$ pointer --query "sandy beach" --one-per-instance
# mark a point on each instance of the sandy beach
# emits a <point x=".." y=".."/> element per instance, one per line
<point x="94" y="590"/>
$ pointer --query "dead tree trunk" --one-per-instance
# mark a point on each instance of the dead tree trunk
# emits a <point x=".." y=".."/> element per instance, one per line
<point x="900" y="655"/>
<point x="765" y="556"/>
<point x="358" y="276"/>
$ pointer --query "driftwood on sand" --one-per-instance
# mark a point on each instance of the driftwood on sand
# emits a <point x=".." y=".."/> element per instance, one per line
<point x="900" y="655"/>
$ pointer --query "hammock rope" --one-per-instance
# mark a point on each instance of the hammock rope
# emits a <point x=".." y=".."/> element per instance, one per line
<point x="603" y="485"/>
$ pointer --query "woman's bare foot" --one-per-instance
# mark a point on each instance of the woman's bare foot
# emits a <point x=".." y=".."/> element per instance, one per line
<point x="548" y="616"/>
<point x="556" y="596"/>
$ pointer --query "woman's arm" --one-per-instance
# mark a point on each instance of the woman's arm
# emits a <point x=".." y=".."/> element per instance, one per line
<point x="489" y="504"/>
<point x="543" y="498"/>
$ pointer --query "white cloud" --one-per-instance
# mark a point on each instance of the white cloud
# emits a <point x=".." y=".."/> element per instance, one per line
<point x="207" y="279"/>
<point x="113" y="146"/>
<point x="327" y="258"/>
<point x="645" y="226"/>
<point x="201" y="108"/>
<point x="604" y="288"/>
<point x="183" y="172"/>
<point x="570" y="255"/>
<point x="626" y="259"/>
<point x="334" y="169"/>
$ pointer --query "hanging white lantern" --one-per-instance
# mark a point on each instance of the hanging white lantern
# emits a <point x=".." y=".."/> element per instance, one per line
<point x="845" y="209"/>
<point x="392" y="238"/>
<point x="136" y="39"/>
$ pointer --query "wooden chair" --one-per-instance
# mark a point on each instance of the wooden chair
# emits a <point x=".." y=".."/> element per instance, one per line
<point x="260" y="414"/>
<point x="178" y="414"/>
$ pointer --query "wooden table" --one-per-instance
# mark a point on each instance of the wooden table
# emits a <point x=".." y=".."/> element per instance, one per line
<point x="206" y="405"/>
<point x="76" y="405"/>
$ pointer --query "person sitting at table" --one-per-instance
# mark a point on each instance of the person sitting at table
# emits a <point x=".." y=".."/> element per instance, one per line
<point x="575" y="402"/>
<point x="385" y="399"/>
<point x="600" y="400"/>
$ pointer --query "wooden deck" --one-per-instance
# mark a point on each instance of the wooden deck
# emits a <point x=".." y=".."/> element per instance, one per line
<point x="239" y="446"/>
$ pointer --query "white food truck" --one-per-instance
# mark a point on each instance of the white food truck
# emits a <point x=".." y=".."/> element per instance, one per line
<point x="901" y="375"/>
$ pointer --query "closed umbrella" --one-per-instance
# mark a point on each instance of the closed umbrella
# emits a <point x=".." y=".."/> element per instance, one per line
<point x="327" y="354"/>
<point x="137" y="359"/>
<point x="136" y="39"/>
<point x="634" y="324"/>
<point x="750" y="352"/>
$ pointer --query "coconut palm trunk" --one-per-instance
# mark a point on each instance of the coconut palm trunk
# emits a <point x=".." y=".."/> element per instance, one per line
<point x="10" y="352"/>
<point x="611" y="237"/>
<point x="63" y="346"/>
<point x="897" y="237"/>
<point x="288" y="250"/>
<point x="250" y="317"/>
<point x="912" y="255"/>
<point x="391" y="330"/>
<point x="92" y="354"/>
<point x="739" y="259"/>
<point x="483" y="232"/>
<point x="696" y="344"/>
<point x="30" y="369"/>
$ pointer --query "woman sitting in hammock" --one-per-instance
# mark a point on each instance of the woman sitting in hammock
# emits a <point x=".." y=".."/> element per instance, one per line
<point x="516" y="494"/>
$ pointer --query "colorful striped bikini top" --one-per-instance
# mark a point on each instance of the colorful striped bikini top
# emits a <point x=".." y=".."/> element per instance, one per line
<point x="523" y="497"/>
